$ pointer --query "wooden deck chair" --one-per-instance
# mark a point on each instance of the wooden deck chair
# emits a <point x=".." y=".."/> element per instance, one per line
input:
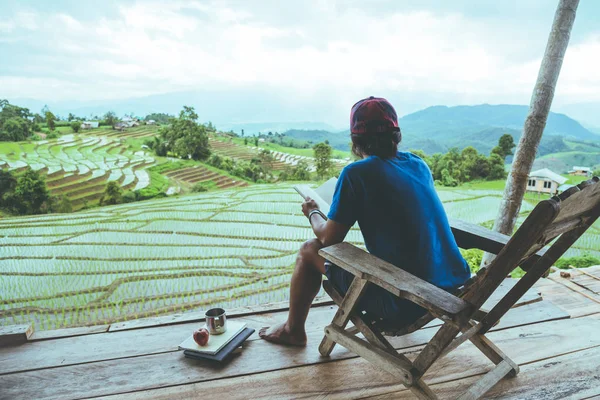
<point x="561" y="220"/>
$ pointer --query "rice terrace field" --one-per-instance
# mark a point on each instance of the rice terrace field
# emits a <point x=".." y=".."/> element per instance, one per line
<point x="225" y="248"/>
<point x="79" y="166"/>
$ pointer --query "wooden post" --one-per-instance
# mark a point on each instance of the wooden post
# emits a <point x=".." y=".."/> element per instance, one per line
<point x="541" y="100"/>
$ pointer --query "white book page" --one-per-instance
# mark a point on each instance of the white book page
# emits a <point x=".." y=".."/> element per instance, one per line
<point x="323" y="195"/>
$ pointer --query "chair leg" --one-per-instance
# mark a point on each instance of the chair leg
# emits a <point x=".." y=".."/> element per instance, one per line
<point x="373" y="336"/>
<point x="419" y="388"/>
<point x="344" y="312"/>
<point x="484" y="384"/>
<point x="492" y="352"/>
<point x="422" y="391"/>
<point x="434" y="349"/>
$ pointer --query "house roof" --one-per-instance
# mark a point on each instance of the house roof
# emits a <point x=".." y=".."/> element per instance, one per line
<point x="587" y="169"/>
<point x="547" y="174"/>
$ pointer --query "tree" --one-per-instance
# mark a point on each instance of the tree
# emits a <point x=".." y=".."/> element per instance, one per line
<point x="256" y="141"/>
<point x="71" y="117"/>
<point x="113" y="194"/>
<point x="50" y="120"/>
<point x="7" y="185"/>
<point x="14" y="122"/>
<point x="596" y="172"/>
<point x="505" y="145"/>
<point x="110" y="118"/>
<point x="184" y="137"/>
<point x="245" y="141"/>
<point x="496" y="168"/>
<point x="160" y="118"/>
<point x="76" y="126"/>
<point x="266" y="159"/>
<point x="30" y="194"/>
<point x="62" y="204"/>
<point x="301" y="171"/>
<point x="541" y="100"/>
<point x="242" y="133"/>
<point x="323" y="162"/>
<point x="15" y="129"/>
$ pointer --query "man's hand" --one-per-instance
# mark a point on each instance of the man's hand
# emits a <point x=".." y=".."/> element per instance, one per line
<point x="309" y="205"/>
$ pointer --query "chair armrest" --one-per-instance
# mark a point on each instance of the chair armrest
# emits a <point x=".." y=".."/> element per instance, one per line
<point x="473" y="236"/>
<point x="393" y="279"/>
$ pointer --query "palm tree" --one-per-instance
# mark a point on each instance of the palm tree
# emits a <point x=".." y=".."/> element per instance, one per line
<point x="541" y="100"/>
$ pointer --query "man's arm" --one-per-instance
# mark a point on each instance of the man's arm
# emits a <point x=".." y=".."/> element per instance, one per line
<point x="328" y="232"/>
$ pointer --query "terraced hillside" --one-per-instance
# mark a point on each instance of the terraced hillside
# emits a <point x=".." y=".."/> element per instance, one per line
<point x="143" y="131"/>
<point x="199" y="174"/>
<point x="224" y="248"/>
<point x="80" y="166"/>
<point x="246" y="153"/>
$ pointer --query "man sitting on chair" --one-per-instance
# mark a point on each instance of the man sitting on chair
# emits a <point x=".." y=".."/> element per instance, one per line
<point x="391" y="195"/>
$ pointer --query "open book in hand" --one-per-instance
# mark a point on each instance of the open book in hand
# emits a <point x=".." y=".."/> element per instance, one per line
<point x="323" y="195"/>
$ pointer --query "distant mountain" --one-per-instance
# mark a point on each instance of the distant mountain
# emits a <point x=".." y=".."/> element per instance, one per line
<point x="438" y="128"/>
<point x="250" y="128"/>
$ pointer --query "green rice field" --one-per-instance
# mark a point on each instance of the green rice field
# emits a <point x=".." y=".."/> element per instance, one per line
<point x="79" y="166"/>
<point x="225" y="248"/>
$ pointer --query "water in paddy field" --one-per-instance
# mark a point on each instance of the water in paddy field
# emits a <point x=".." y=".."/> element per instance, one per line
<point x="227" y="249"/>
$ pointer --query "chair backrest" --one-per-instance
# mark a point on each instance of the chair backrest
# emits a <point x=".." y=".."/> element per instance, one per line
<point x="562" y="219"/>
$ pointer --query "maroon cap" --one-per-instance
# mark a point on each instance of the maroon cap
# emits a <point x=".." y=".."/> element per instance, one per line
<point x="372" y="115"/>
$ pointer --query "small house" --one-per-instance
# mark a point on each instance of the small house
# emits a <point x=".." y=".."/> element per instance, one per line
<point x="581" y="171"/>
<point x="90" y="124"/>
<point x="544" y="181"/>
<point x="151" y="122"/>
<point x="128" y="122"/>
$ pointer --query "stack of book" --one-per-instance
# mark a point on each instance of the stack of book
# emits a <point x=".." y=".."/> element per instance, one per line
<point x="219" y="347"/>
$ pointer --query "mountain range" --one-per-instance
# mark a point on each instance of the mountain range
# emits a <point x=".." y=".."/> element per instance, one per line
<point x="438" y="128"/>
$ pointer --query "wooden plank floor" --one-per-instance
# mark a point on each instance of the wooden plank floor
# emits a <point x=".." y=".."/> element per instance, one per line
<point x="553" y="337"/>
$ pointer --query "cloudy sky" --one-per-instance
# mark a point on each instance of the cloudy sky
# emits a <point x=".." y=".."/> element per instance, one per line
<point x="322" y="53"/>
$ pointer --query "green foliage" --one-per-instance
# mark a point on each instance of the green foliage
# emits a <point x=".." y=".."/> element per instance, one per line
<point x="14" y="122"/>
<point x="199" y="187"/>
<point x="53" y="135"/>
<point x="129" y="197"/>
<point x="184" y="137"/>
<point x="323" y="164"/>
<point x="76" y="126"/>
<point x="113" y="194"/>
<point x="253" y="170"/>
<point x="50" y="120"/>
<point x="473" y="257"/>
<point x="7" y="184"/>
<point x="578" y="262"/>
<point x="14" y="129"/>
<point x="61" y="204"/>
<point x="25" y="193"/>
<point x="454" y="167"/>
<point x="110" y="119"/>
<point x="596" y="172"/>
<point x="265" y="158"/>
<point x="160" y="118"/>
<point x="505" y="145"/>
<point x="299" y="172"/>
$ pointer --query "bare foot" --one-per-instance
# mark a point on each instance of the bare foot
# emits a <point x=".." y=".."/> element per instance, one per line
<point x="281" y="334"/>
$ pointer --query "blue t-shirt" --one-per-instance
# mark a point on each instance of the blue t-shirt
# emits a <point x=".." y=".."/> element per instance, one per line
<point x="401" y="217"/>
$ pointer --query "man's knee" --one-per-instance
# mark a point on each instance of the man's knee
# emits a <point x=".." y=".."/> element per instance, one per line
<point x="310" y="248"/>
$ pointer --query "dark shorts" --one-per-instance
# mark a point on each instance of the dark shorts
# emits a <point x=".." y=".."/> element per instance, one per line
<point x="376" y="301"/>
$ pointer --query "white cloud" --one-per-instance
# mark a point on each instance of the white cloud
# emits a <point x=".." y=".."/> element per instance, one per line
<point x="160" y="47"/>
